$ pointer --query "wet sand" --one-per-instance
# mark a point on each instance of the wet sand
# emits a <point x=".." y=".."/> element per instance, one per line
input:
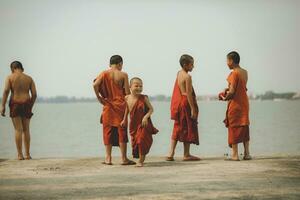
<point x="211" y="178"/>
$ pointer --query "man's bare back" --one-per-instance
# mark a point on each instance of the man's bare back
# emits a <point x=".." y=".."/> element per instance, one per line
<point x="20" y="85"/>
<point x="23" y="96"/>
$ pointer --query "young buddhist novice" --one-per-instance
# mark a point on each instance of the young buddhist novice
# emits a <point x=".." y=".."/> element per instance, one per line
<point x="237" y="114"/>
<point x="141" y="128"/>
<point x="184" y="111"/>
<point x="22" y="98"/>
<point x="110" y="88"/>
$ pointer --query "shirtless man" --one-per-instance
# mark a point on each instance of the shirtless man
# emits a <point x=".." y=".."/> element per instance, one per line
<point x="110" y="88"/>
<point x="184" y="111"/>
<point x="22" y="98"/>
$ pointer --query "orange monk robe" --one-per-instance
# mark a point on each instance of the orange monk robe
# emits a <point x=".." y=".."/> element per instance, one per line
<point x="141" y="137"/>
<point x="113" y="111"/>
<point x="185" y="128"/>
<point x="237" y="114"/>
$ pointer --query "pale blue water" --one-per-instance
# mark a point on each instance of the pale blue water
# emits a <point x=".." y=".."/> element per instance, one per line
<point x="73" y="130"/>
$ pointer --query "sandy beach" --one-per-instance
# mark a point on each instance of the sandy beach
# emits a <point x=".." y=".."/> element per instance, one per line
<point x="211" y="178"/>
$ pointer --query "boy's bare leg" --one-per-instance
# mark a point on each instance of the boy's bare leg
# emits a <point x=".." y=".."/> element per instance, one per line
<point x="17" y="122"/>
<point x="123" y="148"/>
<point x="125" y="160"/>
<point x="246" y="148"/>
<point x="172" y="149"/>
<point x="26" y="131"/>
<point x="108" y="154"/>
<point x="141" y="160"/>
<point x="187" y="155"/>
<point x="246" y="151"/>
<point x="235" y="153"/>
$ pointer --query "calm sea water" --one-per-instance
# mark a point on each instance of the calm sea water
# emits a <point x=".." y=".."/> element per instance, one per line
<point x="73" y="130"/>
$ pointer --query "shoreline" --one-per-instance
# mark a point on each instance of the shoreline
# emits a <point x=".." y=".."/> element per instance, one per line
<point x="264" y="177"/>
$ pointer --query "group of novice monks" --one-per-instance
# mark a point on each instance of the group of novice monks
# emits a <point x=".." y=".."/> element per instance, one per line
<point x="121" y="97"/>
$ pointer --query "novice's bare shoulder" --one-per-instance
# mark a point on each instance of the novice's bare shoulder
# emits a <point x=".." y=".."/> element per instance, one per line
<point x="101" y="75"/>
<point x="27" y="76"/>
<point x="9" y="77"/>
<point x="124" y="74"/>
<point x="8" y="81"/>
<point x="243" y="71"/>
<point x="28" y="79"/>
<point x="187" y="77"/>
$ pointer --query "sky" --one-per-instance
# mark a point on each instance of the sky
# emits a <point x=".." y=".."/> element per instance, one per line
<point x="65" y="44"/>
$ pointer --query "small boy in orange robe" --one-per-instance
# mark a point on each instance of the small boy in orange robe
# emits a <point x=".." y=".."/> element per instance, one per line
<point x="140" y="127"/>
<point x="237" y="114"/>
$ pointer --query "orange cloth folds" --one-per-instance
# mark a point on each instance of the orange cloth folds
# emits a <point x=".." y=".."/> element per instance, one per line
<point x="113" y="111"/>
<point x="237" y="114"/>
<point x="141" y="137"/>
<point x="238" y="134"/>
<point x="185" y="128"/>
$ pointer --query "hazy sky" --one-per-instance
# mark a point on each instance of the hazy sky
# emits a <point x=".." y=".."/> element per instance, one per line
<point x="63" y="45"/>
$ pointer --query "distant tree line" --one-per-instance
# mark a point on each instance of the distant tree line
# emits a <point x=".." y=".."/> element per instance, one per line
<point x="269" y="95"/>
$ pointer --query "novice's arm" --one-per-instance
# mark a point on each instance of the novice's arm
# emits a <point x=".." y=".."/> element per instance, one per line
<point x="5" y="96"/>
<point x="33" y="92"/>
<point x="148" y="114"/>
<point x="123" y="122"/>
<point x="126" y="84"/>
<point x="222" y="95"/>
<point x="229" y="93"/>
<point x="189" y="91"/>
<point x="232" y="85"/>
<point x="96" y="86"/>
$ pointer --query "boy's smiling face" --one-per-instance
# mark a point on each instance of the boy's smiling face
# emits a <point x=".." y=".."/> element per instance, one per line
<point x="136" y="86"/>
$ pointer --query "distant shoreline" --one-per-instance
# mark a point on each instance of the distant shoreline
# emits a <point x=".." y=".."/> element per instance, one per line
<point x="269" y="95"/>
<point x="155" y="100"/>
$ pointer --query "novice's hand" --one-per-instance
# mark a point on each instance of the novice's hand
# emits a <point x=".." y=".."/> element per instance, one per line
<point x="222" y="96"/>
<point x="123" y="124"/>
<point x="102" y="100"/>
<point x="145" y="122"/>
<point x="3" y="111"/>
<point x="193" y="114"/>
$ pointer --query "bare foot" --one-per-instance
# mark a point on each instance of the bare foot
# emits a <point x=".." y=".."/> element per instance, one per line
<point x="191" y="158"/>
<point x="139" y="164"/>
<point x="107" y="161"/>
<point x="170" y="158"/>
<point x="28" y="157"/>
<point x="247" y="157"/>
<point x="232" y="159"/>
<point x="128" y="162"/>
<point x="20" y="157"/>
